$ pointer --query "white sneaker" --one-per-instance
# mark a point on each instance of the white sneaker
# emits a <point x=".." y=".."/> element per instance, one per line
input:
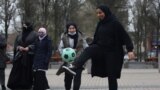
<point x="69" y="70"/>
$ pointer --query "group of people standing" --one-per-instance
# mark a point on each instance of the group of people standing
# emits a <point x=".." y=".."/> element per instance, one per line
<point x="32" y="52"/>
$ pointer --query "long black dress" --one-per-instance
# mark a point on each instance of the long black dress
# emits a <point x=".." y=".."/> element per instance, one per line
<point x="21" y="76"/>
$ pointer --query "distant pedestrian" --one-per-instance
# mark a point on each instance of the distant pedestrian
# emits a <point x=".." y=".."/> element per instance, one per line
<point x="106" y="50"/>
<point x="3" y="60"/>
<point x="43" y="52"/>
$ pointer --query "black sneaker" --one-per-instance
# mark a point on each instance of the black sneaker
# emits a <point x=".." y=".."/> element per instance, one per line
<point x="3" y="87"/>
<point x="60" y="71"/>
<point x="69" y="69"/>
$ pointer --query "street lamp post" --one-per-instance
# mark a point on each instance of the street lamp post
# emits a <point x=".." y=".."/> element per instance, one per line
<point x="159" y="62"/>
<point x="158" y="27"/>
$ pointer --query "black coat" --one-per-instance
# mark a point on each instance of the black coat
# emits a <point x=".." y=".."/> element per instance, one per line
<point x="110" y="37"/>
<point x="43" y="52"/>
<point x="21" y="74"/>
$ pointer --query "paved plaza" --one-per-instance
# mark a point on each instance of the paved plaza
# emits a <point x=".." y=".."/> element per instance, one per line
<point x="131" y="79"/>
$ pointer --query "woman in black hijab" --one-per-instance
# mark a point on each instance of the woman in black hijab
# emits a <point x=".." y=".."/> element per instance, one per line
<point x="21" y="74"/>
<point x="106" y="50"/>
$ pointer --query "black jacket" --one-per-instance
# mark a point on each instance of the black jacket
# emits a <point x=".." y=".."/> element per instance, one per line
<point x="43" y="52"/>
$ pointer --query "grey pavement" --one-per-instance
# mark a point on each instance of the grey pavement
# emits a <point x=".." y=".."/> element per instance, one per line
<point x="131" y="79"/>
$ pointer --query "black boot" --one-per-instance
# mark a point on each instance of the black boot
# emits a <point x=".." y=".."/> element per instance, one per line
<point x="3" y="87"/>
<point x="61" y="69"/>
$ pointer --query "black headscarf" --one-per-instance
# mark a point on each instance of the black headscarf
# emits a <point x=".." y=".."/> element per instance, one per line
<point x="108" y="14"/>
<point x="75" y="37"/>
<point x="109" y="17"/>
<point x="26" y="30"/>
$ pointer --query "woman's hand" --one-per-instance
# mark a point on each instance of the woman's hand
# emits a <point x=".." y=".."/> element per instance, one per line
<point x="20" y="48"/>
<point x="26" y="49"/>
<point x="131" y="55"/>
<point x="23" y="49"/>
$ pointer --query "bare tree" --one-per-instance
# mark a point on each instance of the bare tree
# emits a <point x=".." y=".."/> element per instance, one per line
<point x="53" y="14"/>
<point x="142" y="11"/>
<point x="155" y="20"/>
<point x="7" y="12"/>
<point x="118" y="7"/>
<point x="63" y="11"/>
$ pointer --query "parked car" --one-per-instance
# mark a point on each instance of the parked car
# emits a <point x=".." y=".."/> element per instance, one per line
<point x="151" y="56"/>
<point x="126" y="58"/>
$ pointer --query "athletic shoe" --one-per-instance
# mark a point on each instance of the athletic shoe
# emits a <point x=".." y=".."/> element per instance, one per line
<point x="69" y="69"/>
<point x="60" y="70"/>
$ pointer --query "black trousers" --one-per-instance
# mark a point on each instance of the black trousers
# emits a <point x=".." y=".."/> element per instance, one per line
<point x="76" y="80"/>
<point x="2" y="76"/>
<point x="113" y="85"/>
<point x="40" y="81"/>
<point x="89" y="52"/>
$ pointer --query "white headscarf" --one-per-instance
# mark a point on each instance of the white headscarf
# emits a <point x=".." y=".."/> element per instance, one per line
<point x="42" y="33"/>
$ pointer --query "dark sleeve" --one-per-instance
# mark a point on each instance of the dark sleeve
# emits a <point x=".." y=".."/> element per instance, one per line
<point x="124" y="36"/>
<point x="95" y="37"/>
<point x="3" y="42"/>
<point x="3" y="45"/>
<point x="31" y="46"/>
<point x="15" y="46"/>
<point x="49" y="53"/>
<point x="94" y="40"/>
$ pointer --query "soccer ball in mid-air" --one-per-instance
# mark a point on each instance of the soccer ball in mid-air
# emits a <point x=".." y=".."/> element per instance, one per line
<point x="68" y="55"/>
